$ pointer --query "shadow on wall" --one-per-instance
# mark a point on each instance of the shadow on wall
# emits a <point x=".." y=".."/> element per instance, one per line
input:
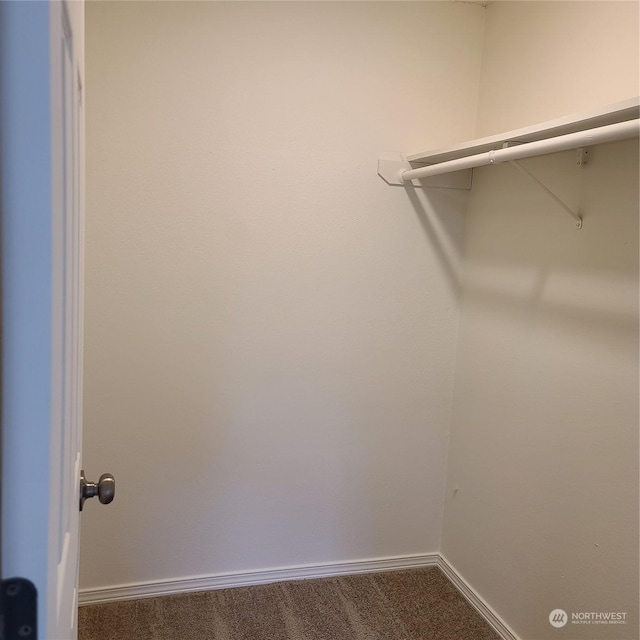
<point x="544" y="441"/>
<point x="528" y="258"/>
<point x="433" y="208"/>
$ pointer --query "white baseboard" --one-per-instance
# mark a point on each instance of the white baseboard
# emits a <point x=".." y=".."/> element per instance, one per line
<point x="476" y="601"/>
<point x="305" y="572"/>
<point x="247" y="578"/>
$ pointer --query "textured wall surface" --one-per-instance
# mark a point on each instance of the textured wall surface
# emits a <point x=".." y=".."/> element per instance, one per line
<point x="542" y="488"/>
<point x="270" y="328"/>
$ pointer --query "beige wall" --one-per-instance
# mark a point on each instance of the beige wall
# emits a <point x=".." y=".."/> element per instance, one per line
<point x="270" y="328"/>
<point x="546" y="60"/>
<point x="542" y="484"/>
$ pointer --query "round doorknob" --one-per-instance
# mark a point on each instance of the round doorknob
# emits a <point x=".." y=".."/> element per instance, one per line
<point x="105" y="489"/>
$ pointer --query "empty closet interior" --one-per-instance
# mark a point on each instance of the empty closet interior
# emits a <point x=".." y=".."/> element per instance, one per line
<point x="295" y="368"/>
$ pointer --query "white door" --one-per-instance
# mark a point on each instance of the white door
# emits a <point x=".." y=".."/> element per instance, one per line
<point x="41" y="191"/>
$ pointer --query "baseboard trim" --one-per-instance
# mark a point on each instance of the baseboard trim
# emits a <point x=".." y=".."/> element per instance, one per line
<point x="476" y="601"/>
<point x="304" y="572"/>
<point x="247" y="578"/>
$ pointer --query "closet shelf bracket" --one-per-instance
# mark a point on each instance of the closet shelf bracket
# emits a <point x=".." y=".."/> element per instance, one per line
<point x="581" y="156"/>
<point x="391" y="165"/>
<point x="538" y="183"/>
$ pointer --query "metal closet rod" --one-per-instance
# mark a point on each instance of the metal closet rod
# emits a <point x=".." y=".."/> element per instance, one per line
<point x="608" y="133"/>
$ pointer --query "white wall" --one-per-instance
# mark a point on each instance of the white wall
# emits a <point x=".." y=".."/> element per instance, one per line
<point x="270" y="328"/>
<point x="542" y="485"/>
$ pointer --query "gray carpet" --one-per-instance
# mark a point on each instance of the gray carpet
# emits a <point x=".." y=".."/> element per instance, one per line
<point x="418" y="604"/>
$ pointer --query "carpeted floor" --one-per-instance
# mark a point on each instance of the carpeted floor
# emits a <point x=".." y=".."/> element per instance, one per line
<point x="418" y="604"/>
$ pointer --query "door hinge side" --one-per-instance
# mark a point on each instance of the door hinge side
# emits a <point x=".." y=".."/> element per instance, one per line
<point x="18" y="609"/>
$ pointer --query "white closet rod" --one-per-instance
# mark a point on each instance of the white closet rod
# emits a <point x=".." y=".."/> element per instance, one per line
<point x="608" y="133"/>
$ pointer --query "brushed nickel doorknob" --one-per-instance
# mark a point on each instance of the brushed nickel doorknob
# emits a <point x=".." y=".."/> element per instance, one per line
<point x="105" y="489"/>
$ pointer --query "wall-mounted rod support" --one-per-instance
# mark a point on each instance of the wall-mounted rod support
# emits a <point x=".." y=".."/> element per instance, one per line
<point x="608" y="133"/>
<point x="530" y="176"/>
